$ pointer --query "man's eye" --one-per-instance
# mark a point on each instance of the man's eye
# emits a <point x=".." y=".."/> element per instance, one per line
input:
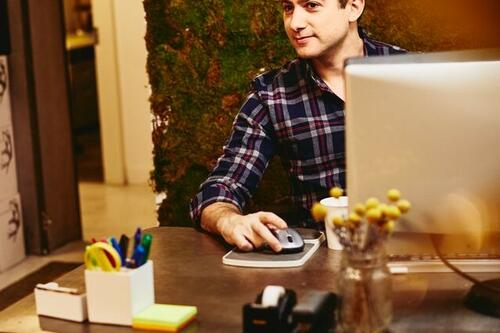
<point x="287" y="7"/>
<point x="312" y="5"/>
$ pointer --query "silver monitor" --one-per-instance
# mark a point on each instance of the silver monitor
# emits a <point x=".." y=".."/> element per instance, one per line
<point x="429" y="125"/>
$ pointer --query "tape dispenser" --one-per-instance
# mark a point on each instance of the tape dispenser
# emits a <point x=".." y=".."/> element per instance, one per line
<point x="315" y="312"/>
<point x="271" y="312"/>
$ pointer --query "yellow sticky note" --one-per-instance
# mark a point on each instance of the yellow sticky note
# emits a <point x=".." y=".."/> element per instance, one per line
<point x="164" y="317"/>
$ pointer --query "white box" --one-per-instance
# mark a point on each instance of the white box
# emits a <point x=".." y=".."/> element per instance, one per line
<point x="114" y="297"/>
<point x="59" y="304"/>
<point x="11" y="232"/>
<point x="8" y="176"/>
<point x="5" y="111"/>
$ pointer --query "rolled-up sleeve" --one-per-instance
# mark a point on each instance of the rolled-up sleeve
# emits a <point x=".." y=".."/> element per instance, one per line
<point x="243" y="162"/>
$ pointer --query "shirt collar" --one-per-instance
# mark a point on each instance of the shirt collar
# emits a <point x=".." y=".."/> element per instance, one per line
<point x="311" y="74"/>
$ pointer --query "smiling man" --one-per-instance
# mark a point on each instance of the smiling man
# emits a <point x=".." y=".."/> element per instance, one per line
<point x="297" y="112"/>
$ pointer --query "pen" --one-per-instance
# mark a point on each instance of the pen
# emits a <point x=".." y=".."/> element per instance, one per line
<point x="137" y="238"/>
<point x="116" y="246"/>
<point x="138" y="256"/>
<point x="146" y="244"/>
<point x="124" y="245"/>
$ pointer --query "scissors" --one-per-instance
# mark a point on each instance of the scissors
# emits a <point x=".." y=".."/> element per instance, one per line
<point x="102" y="255"/>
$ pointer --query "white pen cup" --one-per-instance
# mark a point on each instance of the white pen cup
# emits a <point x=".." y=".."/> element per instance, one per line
<point x="335" y="207"/>
<point x="115" y="297"/>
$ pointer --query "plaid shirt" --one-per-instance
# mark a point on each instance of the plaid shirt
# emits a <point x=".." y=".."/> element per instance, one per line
<point x="293" y="113"/>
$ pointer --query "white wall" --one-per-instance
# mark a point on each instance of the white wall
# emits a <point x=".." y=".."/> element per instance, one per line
<point x="108" y="88"/>
<point x="123" y="90"/>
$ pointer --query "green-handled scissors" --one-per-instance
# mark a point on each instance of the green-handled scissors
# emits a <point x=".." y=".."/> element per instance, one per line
<point x="102" y="255"/>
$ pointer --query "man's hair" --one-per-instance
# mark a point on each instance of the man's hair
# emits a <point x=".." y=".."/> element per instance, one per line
<point x="343" y="3"/>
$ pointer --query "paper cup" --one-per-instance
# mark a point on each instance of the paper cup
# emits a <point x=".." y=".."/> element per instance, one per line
<point x="335" y="206"/>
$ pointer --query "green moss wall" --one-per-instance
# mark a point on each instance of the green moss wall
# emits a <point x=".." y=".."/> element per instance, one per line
<point x="203" y="54"/>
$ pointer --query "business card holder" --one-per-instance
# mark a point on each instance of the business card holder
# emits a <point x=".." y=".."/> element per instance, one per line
<point x="60" y="302"/>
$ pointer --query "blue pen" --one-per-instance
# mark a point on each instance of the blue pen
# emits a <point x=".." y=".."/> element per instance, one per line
<point x="138" y="256"/>
<point x="137" y="238"/>
<point x="118" y="249"/>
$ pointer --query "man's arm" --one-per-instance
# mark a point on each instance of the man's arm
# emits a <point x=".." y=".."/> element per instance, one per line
<point x="218" y="204"/>
<point x="245" y="231"/>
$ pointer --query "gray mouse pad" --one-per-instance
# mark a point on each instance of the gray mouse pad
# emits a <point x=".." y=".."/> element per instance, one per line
<point x="312" y="240"/>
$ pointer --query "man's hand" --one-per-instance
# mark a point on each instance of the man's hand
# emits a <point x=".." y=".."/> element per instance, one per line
<point x="247" y="232"/>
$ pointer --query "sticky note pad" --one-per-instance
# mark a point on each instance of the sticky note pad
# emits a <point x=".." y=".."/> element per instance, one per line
<point x="164" y="317"/>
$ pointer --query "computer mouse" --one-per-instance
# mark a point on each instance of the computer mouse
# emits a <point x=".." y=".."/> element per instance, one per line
<point x="291" y="241"/>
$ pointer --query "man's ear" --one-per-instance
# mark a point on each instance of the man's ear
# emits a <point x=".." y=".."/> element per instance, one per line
<point x="357" y="7"/>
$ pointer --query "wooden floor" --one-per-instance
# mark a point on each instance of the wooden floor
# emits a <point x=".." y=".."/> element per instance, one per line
<point x="107" y="210"/>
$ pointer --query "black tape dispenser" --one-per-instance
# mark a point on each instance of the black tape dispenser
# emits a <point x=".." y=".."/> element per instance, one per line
<point x="315" y="313"/>
<point x="271" y="312"/>
<point x="276" y="311"/>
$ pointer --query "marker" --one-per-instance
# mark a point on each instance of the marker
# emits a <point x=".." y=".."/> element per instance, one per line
<point x="124" y="245"/>
<point x="138" y="256"/>
<point x="146" y="244"/>
<point x="116" y="246"/>
<point x="137" y="238"/>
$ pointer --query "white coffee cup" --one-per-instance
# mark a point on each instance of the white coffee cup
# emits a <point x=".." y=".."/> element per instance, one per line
<point x="335" y="206"/>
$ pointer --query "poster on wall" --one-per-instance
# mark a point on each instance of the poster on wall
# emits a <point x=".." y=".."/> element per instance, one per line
<point x="5" y="116"/>
<point x="11" y="232"/>
<point x="8" y="180"/>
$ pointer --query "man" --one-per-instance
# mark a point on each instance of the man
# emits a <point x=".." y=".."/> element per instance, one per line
<point x="296" y="112"/>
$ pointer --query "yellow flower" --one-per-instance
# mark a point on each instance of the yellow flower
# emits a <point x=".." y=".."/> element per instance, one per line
<point x="374" y="214"/>
<point x="372" y="203"/>
<point x="403" y="205"/>
<point x="336" y="192"/>
<point x="393" y="212"/>
<point x="338" y="221"/>
<point x="360" y="209"/>
<point x="389" y="226"/>
<point x="354" y="218"/>
<point x="393" y="195"/>
<point x="318" y="212"/>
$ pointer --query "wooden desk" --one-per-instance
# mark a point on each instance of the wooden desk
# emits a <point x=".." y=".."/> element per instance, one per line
<point x="188" y="270"/>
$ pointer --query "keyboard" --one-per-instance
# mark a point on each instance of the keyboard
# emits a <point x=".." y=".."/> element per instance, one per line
<point x="427" y="263"/>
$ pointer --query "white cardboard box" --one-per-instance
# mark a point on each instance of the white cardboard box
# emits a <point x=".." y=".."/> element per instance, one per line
<point x="11" y="232"/>
<point x="115" y="297"/>
<point x="59" y="304"/>
<point x="5" y="111"/>
<point x="8" y="177"/>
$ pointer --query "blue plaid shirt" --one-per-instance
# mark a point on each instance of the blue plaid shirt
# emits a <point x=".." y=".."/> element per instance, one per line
<point x="293" y="113"/>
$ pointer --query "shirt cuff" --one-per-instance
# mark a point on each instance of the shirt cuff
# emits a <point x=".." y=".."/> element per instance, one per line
<point x="209" y="195"/>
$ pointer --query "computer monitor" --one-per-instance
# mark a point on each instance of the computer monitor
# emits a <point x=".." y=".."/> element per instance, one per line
<point x="428" y="125"/>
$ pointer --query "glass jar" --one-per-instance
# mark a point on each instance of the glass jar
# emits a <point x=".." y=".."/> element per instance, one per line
<point x="365" y="289"/>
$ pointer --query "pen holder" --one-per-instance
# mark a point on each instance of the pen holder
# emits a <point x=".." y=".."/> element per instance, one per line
<point x="114" y="297"/>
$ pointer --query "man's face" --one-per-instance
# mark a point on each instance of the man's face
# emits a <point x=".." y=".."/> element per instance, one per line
<point x="315" y="28"/>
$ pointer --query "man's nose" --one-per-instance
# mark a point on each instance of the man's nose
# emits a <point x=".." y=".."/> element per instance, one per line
<point x="298" y="20"/>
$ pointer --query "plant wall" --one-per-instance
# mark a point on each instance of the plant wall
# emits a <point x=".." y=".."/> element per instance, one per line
<point x="202" y="55"/>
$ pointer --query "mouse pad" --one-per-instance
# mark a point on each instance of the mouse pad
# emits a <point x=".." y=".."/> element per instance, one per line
<point x="312" y="241"/>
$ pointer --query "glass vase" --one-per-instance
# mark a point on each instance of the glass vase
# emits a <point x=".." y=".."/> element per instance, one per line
<point x="366" y="292"/>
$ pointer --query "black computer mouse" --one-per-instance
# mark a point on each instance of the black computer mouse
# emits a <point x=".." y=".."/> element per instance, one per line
<point x="291" y="241"/>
